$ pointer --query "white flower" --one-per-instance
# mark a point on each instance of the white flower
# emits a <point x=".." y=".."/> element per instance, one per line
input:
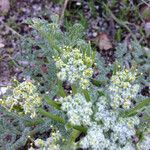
<point x="74" y="67"/>
<point x="24" y="96"/>
<point x="77" y="108"/>
<point x="118" y="130"/>
<point x="123" y="88"/>
<point x="145" y="144"/>
<point x="88" y="72"/>
<point x="84" y="83"/>
<point x="62" y="75"/>
<point x="50" y="143"/>
<point x="95" y="139"/>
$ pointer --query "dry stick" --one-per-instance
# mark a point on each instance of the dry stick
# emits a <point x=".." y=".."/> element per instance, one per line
<point x="124" y="24"/>
<point x="120" y="22"/>
<point x="146" y="3"/>
<point x="11" y="29"/>
<point x="63" y="10"/>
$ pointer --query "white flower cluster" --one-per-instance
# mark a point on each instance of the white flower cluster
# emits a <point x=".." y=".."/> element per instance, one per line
<point x="145" y="144"/>
<point x="77" y="108"/>
<point x="95" y="138"/>
<point x="108" y="117"/>
<point x="74" y="66"/>
<point x="24" y="97"/>
<point x="111" y="131"/>
<point x="51" y="143"/>
<point x="122" y="89"/>
<point x="124" y="129"/>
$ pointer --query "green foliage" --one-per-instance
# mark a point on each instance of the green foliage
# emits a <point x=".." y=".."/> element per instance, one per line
<point x="85" y="118"/>
<point x="44" y="43"/>
<point x="103" y="69"/>
<point x="7" y="129"/>
<point x="137" y="108"/>
<point x="135" y="57"/>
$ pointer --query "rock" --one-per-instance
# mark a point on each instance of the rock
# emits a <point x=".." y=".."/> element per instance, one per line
<point x="103" y="42"/>
<point x="3" y="90"/>
<point x="147" y="28"/>
<point x="4" y="6"/>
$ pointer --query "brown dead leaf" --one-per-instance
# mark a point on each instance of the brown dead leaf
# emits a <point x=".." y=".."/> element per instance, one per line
<point x="103" y="41"/>
<point x="4" y="6"/>
<point x="43" y="68"/>
<point x="145" y="11"/>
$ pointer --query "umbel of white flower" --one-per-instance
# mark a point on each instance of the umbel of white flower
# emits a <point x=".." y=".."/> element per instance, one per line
<point x="50" y="143"/>
<point x="95" y="138"/>
<point x="145" y="144"/>
<point x="123" y="88"/>
<point x="109" y="131"/>
<point x="74" y="67"/>
<point x="77" y="108"/>
<point x="24" y="97"/>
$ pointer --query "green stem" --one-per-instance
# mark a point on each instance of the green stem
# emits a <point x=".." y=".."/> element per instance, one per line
<point x="74" y="135"/>
<point x="33" y="122"/>
<point x="53" y="103"/>
<point x="98" y="83"/>
<point x="146" y="118"/>
<point x="60" y="120"/>
<point x="51" y="116"/>
<point x="80" y="128"/>
<point x="136" y="147"/>
<point x="87" y="96"/>
<point x="138" y="107"/>
<point x="74" y="89"/>
<point x="61" y="91"/>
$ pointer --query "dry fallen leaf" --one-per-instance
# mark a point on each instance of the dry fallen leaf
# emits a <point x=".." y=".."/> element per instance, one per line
<point x="43" y="68"/>
<point x="4" y="6"/>
<point x="103" y="41"/>
<point x="145" y="11"/>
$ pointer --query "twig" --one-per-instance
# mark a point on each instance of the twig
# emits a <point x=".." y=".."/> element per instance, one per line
<point x="146" y="3"/>
<point x="63" y="10"/>
<point x="11" y="29"/>
<point x="141" y="3"/>
<point x="120" y="22"/>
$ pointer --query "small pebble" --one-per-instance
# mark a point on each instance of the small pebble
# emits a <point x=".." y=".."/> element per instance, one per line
<point x="78" y="4"/>
<point x="94" y="34"/>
